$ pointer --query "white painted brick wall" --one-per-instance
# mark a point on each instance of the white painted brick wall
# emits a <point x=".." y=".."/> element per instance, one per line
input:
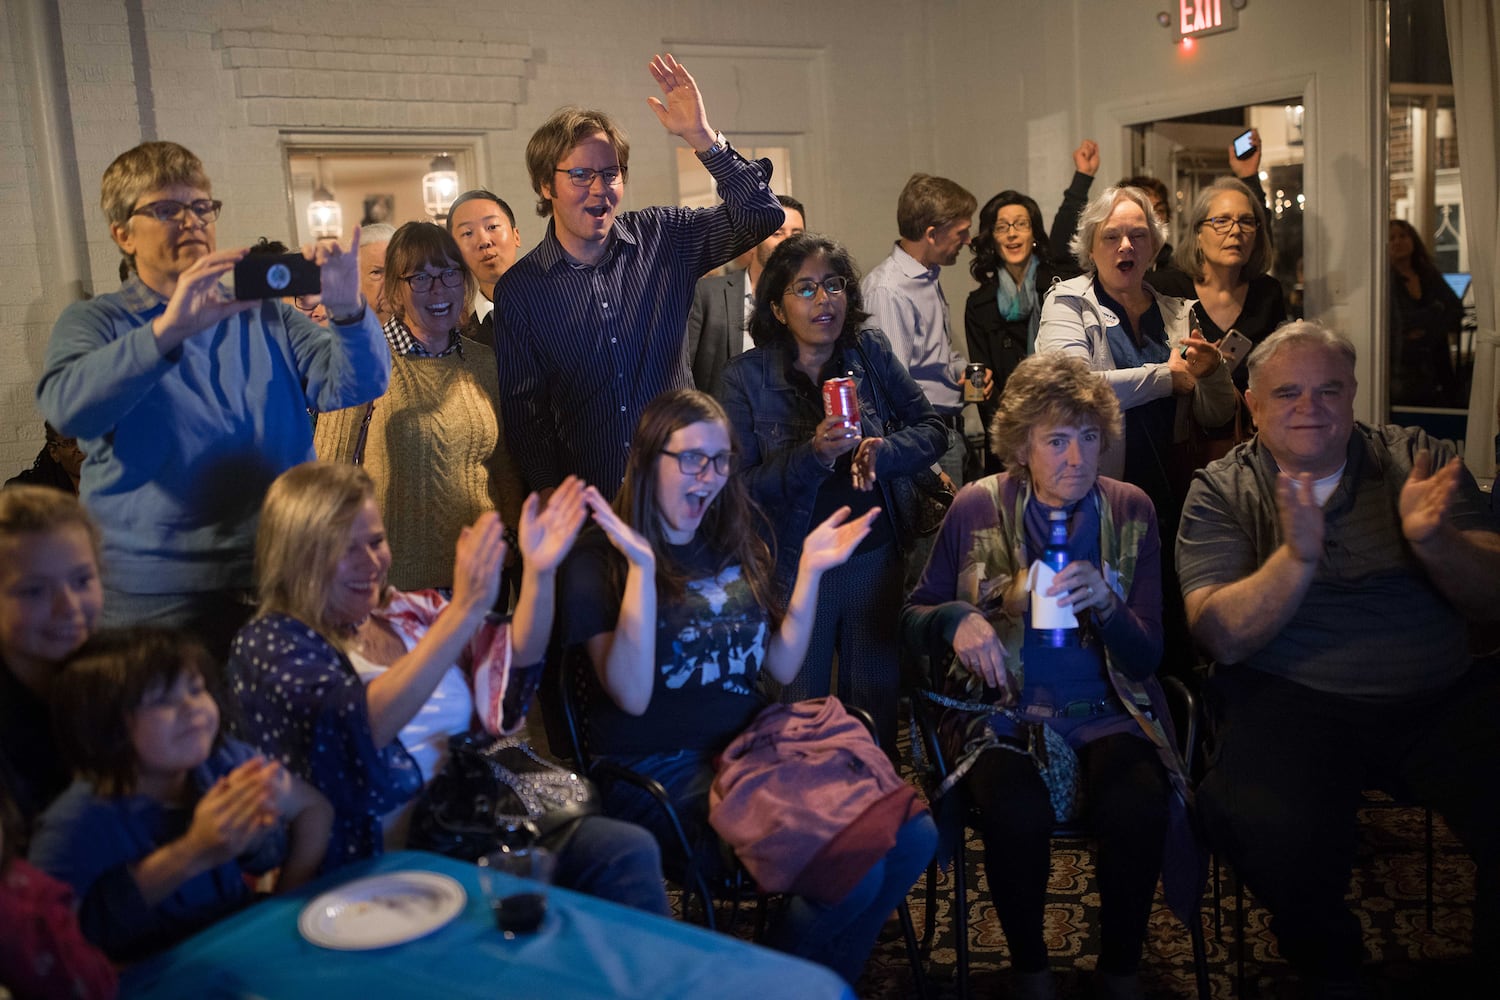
<point x="227" y="76"/>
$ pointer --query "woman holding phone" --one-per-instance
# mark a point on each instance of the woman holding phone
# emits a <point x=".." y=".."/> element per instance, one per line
<point x="1224" y="266"/>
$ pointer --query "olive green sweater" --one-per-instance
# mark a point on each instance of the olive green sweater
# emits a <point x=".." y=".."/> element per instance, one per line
<point x="437" y="454"/>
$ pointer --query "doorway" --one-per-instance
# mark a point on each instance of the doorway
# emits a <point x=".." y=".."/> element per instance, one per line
<point x="1191" y="151"/>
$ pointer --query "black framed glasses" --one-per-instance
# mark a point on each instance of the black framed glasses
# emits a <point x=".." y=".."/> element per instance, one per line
<point x="692" y="463"/>
<point x="307" y="303"/>
<point x="422" y="281"/>
<point x="1223" y="224"/>
<point x="1002" y="227"/>
<point x="167" y="210"/>
<point x="584" y="176"/>
<point x="807" y="288"/>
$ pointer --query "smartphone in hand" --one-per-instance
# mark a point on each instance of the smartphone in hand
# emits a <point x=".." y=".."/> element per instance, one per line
<point x="275" y="276"/>
<point x="1244" y="144"/>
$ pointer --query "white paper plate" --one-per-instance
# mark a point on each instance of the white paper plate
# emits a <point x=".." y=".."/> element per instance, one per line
<point x="381" y="910"/>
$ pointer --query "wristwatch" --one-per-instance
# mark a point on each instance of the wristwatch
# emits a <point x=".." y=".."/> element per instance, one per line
<point x="720" y="144"/>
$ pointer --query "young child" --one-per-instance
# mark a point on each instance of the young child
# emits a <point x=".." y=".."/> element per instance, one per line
<point x="42" y="952"/>
<point x="164" y="816"/>
<point x="50" y="596"/>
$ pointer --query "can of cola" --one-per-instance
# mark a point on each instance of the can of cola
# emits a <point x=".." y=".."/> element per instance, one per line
<point x="840" y="399"/>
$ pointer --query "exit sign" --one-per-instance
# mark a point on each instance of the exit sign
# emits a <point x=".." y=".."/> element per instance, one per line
<point x="1206" y="17"/>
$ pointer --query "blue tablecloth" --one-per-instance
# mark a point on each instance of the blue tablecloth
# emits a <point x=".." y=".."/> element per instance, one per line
<point x="587" y="948"/>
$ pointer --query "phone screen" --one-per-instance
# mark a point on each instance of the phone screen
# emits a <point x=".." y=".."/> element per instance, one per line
<point x="1244" y="144"/>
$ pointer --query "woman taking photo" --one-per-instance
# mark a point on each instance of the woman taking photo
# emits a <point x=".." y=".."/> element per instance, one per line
<point x="1055" y="422"/>
<point x="433" y="444"/>
<point x="801" y="465"/>
<point x="356" y="686"/>
<point x="678" y="618"/>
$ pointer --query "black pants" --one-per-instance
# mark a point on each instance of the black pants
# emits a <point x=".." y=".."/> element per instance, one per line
<point x="1125" y="803"/>
<point x="1287" y="777"/>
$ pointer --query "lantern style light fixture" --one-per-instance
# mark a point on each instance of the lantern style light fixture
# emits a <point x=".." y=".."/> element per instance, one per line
<point x="324" y="216"/>
<point x="440" y="186"/>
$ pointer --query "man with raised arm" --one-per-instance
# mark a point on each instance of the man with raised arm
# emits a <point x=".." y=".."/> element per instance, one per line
<point x="589" y="326"/>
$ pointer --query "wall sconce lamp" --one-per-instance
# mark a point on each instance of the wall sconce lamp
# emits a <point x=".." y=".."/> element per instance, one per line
<point x="439" y="186"/>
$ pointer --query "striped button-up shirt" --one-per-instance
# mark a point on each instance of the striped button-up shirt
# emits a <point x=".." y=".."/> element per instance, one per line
<point x="583" y="348"/>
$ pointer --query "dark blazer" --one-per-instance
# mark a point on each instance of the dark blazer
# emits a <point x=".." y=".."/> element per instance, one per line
<point x="481" y="331"/>
<point x="715" y="327"/>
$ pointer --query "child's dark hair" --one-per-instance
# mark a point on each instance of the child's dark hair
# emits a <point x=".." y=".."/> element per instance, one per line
<point x="102" y="684"/>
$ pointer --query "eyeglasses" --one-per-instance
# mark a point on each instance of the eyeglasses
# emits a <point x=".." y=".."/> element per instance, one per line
<point x="422" y="281"/>
<point x="307" y="303"/>
<point x="692" y="463"/>
<point x="174" y="211"/>
<point x="584" y="176"/>
<point x="1222" y="224"/>
<point x="807" y="288"/>
<point x="1020" y="226"/>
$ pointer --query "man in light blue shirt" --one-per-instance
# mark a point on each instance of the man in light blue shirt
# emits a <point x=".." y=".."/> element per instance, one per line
<point x="934" y="216"/>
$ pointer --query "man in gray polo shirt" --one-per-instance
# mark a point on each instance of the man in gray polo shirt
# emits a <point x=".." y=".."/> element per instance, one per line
<point x="1330" y="568"/>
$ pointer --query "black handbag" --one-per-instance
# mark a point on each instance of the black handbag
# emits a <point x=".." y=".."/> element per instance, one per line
<point x="497" y="792"/>
<point x="921" y="500"/>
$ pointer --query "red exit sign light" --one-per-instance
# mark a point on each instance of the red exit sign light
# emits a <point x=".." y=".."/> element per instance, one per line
<point x="1206" y="17"/>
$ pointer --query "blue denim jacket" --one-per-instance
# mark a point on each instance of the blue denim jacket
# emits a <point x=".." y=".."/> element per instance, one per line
<point x="775" y="424"/>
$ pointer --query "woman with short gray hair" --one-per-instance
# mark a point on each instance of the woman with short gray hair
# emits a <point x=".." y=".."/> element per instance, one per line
<point x="1140" y="341"/>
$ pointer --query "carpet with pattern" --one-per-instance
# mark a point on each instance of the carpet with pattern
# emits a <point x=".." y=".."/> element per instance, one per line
<point x="1388" y="892"/>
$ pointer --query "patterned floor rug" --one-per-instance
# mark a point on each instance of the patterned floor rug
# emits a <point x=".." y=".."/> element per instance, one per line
<point x="1388" y="891"/>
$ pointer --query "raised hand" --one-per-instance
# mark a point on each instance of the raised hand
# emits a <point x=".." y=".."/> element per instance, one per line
<point x="831" y="543"/>
<point x="1086" y="157"/>
<point x="199" y="301"/>
<point x="625" y="538"/>
<point x="1301" y="517"/>
<point x="982" y="653"/>
<point x="682" y="113"/>
<point x="1249" y="166"/>
<point x="862" y="466"/>
<point x="478" y="557"/>
<point x="546" y="535"/>
<point x="1426" y="497"/>
<point x="339" y="274"/>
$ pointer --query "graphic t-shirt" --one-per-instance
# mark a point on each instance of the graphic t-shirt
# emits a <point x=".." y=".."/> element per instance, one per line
<point x="709" y="651"/>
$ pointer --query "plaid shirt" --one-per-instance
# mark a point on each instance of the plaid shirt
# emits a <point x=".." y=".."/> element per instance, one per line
<point x="403" y="343"/>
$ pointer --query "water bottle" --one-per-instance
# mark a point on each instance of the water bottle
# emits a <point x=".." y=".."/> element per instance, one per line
<point x="1054" y="626"/>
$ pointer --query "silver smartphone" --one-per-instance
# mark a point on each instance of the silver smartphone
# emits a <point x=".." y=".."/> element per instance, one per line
<point x="1234" y="348"/>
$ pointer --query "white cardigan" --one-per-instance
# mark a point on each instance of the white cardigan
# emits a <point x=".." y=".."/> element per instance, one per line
<point x="1073" y="322"/>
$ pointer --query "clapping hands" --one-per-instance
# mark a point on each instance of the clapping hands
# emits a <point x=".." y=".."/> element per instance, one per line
<point x="546" y="534"/>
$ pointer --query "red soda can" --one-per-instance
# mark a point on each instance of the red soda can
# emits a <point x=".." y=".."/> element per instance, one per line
<point x="840" y="399"/>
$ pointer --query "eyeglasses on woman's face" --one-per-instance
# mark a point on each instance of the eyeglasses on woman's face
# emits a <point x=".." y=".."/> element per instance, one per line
<point x="807" y="288"/>
<point x="1003" y="228"/>
<point x="422" y="281"/>
<point x="1223" y="224"/>
<point x="692" y="463"/>
<point x="167" y="210"/>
